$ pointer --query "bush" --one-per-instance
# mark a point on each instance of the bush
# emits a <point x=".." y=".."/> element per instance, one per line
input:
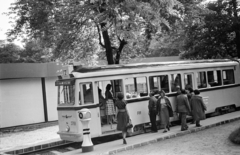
<point x="235" y="136"/>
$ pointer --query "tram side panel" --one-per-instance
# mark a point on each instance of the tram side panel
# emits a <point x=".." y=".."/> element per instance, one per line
<point x="220" y="98"/>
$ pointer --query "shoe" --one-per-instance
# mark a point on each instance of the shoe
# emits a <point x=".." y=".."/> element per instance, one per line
<point x="164" y="131"/>
<point x="183" y="129"/>
<point x="154" y="131"/>
<point x="199" y="125"/>
<point x="168" y="128"/>
<point x="124" y="141"/>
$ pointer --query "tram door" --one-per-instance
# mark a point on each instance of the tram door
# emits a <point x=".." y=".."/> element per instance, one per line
<point x="188" y="80"/>
<point x="108" y="122"/>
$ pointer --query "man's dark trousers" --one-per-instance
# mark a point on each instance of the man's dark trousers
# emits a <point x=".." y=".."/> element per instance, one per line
<point x="153" y="117"/>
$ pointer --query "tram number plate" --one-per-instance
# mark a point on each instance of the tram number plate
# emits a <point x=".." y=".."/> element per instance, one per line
<point x="73" y="123"/>
<point x="205" y="100"/>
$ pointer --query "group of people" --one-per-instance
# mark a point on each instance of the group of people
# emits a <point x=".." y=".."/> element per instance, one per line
<point x="188" y="102"/>
<point x="123" y="117"/>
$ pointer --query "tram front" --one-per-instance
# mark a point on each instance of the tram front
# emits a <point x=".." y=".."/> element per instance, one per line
<point x="74" y="95"/>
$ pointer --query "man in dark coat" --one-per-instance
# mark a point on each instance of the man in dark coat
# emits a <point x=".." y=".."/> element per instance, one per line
<point x="198" y="108"/>
<point x="152" y="106"/>
<point x="183" y="108"/>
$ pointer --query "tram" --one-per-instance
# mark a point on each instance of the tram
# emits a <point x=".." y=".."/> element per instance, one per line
<point x="78" y="88"/>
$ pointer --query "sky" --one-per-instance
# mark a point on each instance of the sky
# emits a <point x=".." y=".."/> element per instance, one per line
<point x="5" y="25"/>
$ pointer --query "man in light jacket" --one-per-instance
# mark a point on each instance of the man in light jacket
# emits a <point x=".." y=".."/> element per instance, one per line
<point x="183" y="108"/>
<point x="198" y="108"/>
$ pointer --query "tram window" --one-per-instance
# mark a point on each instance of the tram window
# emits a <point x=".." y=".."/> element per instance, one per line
<point x="201" y="80"/>
<point x="67" y="95"/>
<point x="87" y="93"/>
<point x="159" y="83"/>
<point x="228" y="77"/>
<point x="136" y="87"/>
<point x="214" y="78"/>
<point x="176" y="83"/>
<point x="116" y="87"/>
<point x="188" y="81"/>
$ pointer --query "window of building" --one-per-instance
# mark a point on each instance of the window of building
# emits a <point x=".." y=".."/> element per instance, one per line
<point x="214" y="78"/>
<point x="159" y="83"/>
<point x="228" y="77"/>
<point x="136" y="87"/>
<point x="201" y="80"/>
<point x="176" y="83"/>
<point x="188" y="80"/>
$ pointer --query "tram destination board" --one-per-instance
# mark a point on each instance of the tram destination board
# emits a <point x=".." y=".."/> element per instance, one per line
<point x="65" y="82"/>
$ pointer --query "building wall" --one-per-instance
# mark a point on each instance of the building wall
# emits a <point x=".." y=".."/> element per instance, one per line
<point x="21" y="102"/>
<point x="51" y="95"/>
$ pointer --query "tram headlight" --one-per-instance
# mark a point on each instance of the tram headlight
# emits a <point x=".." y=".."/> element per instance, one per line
<point x="84" y="114"/>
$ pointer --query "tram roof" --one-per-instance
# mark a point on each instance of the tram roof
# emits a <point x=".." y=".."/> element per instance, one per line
<point x="80" y="71"/>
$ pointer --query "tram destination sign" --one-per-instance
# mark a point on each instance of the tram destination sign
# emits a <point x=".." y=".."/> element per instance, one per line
<point x="64" y="82"/>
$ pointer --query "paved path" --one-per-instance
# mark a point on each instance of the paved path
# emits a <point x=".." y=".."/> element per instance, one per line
<point x="25" y="141"/>
<point x="146" y="140"/>
<point x="212" y="141"/>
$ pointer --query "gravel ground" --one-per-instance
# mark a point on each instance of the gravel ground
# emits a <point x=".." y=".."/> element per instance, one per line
<point x="213" y="141"/>
<point x="18" y="139"/>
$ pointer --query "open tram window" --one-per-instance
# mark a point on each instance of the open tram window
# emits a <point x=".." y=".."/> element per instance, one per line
<point x="66" y="92"/>
<point x="136" y="87"/>
<point x="176" y="83"/>
<point x="116" y="87"/>
<point x="228" y="77"/>
<point x="159" y="83"/>
<point x="201" y="80"/>
<point x="188" y="80"/>
<point x="214" y="78"/>
<point x="87" y="90"/>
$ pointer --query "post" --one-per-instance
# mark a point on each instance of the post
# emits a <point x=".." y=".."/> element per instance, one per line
<point x="85" y="117"/>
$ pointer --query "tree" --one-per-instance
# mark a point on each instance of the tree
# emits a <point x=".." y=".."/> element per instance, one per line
<point x="216" y="33"/>
<point x="74" y="24"/>
<point x="171" y="42"/>
<point x="9" y="52"/>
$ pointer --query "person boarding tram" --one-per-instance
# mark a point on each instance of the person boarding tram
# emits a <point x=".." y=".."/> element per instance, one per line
<point x="123" y="117"/>
<point x="110" y="109"/>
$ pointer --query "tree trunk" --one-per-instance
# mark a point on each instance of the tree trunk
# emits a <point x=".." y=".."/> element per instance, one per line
<point x="237" y="29"/>
<point x="119" y="51"/>
<point x="108" y="46"/>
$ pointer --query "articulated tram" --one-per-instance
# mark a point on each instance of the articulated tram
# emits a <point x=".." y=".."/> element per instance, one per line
<point x="217" y="80"/>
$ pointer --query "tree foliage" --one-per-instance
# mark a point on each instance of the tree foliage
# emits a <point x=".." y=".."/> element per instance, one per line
<point x="73" y="28"/>
<point x="9" y="52"/>
<point x="216" y="33"/>
<point x="32" y="52"/>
